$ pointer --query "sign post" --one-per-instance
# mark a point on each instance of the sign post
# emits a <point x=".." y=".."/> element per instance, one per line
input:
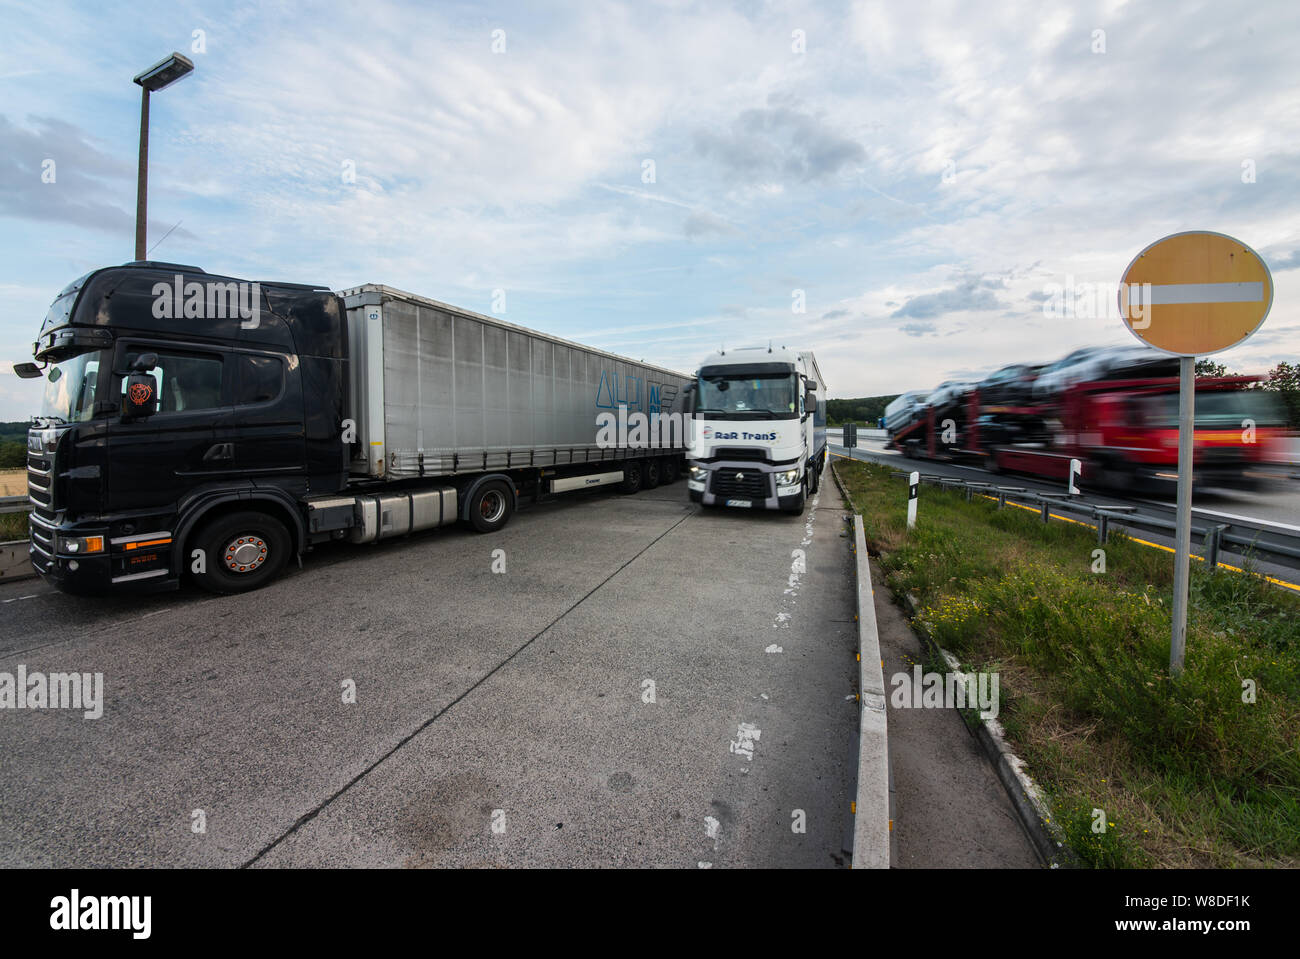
<point x="1192" y="294"/>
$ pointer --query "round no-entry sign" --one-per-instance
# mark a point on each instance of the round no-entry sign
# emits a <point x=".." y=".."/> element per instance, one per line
<point x="1195" y="293"/>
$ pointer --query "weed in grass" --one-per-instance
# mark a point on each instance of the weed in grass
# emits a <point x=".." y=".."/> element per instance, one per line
<point x="1100" y="850"/>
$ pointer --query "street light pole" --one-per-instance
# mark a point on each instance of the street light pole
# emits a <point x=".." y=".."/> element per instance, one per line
<point x="142" y="177"/>
<point x="161" y="74"/>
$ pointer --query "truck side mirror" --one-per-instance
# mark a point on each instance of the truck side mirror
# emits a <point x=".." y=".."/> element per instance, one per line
<point x="810" y="401"/>
<point x="141" y="396"/>
<point x="27" y="371"/>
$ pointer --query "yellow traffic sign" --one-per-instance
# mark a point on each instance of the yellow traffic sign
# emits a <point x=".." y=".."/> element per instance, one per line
<point x="1195" y="293"/>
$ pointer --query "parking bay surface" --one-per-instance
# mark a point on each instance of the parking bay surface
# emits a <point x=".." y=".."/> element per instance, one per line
<point x="501" y="718"/>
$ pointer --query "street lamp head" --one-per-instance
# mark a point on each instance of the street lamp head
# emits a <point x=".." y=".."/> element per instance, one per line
<point x="165" y="72"/>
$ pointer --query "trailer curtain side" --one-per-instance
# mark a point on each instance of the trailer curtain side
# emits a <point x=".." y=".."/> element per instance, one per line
<point x="435" y="390"/>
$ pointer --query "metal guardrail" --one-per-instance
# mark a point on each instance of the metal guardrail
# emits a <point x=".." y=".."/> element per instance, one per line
<point x="14" y="504"/>
<point x="1214" y="536"/>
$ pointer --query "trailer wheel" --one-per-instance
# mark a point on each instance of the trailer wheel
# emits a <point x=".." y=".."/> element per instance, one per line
<point x="651" y="475"/>
<point x="241" y="551"/>
<point x="669" y="470"/>
<point x="631" y="477"/>
<point x="490" y="507"/>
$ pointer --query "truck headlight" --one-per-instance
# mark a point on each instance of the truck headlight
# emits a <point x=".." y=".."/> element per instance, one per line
<point x="81" y="544"/>
<point x="697" y="472"/>
<point x="788" y="478"/>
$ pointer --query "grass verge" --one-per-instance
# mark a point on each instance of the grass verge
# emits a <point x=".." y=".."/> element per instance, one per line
<point x="13" y="526"/>
<point x="1202" y="770"/>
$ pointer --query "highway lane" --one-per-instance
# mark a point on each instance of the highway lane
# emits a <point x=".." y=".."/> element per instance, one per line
<point x="1278" y="502"/>
<point x="482" y="699"/>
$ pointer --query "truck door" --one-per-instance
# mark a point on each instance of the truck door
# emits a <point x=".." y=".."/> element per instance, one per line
<point x="153" y="460"/>
<point x="266" y="426"/>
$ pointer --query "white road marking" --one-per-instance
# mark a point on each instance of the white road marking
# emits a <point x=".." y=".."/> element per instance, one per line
<point x="774" y="648"/>
<point x="711" y="827"/>
<point x="747" y="736"/>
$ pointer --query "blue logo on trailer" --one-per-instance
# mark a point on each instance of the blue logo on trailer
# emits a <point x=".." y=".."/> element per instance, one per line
<point x="659" y="396"/>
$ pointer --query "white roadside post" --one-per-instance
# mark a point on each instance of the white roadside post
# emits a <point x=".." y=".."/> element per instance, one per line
<point x="913" y="487"/>
<point x="1183" y="517"/>
<point x="1192" y="294"/>
<point x="1076" y="469"/>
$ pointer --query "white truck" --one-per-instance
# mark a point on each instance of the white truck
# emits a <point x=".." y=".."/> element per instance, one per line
<point x="758" y="436"/>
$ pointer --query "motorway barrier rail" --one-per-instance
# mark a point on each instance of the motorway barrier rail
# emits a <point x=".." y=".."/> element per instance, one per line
<point x="1215" y="536"/>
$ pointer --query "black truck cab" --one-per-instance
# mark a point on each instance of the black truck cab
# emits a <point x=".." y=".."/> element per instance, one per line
<point x="179" y="406"/>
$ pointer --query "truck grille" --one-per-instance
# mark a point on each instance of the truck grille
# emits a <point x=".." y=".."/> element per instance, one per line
<point x="40" y="482"/>
<point x="42" y="540"/>
<point x="740" y="484"/>
<point x="742" y="453"/>
<point x="40" y="490"/>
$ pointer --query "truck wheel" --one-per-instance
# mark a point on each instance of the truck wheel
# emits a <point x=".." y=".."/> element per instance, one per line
<point x="631" y="477"/>
<point x="816" y="481"/>
<point x="241" y="551"/>
<point x="490" y="507"/>
<point x="668" y="470"/>
<point x="651" y="475"/>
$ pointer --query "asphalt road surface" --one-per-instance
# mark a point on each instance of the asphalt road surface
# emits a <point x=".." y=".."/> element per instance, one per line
<point x="647" y="684"/>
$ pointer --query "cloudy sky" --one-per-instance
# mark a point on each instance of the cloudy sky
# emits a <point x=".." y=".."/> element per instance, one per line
<point x="659" y="178"/>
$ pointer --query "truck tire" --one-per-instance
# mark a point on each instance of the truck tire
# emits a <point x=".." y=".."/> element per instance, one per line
<point x="651" y="474"/>
<point x="669" y="470"/>
<point x="816" y="480"/>
<point x="490" y="507"/>
<point x="631" y="477"/>
<point x="241" y="551"/>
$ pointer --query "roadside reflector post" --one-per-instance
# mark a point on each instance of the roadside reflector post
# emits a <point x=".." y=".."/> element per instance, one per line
<point x="913" y="486"/>
<point x="1076" y="468"/>
<point x="1192" y="294"/>
<point x="1103" y="524"/>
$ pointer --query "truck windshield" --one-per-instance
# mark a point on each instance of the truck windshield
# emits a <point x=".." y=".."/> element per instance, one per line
<point x="1217" y="409"/>
<point x="766" y="395"/>
<point x="70" y="387"/>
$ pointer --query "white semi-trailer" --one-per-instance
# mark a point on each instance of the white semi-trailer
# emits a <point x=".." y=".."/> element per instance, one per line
<point x="758" y="440"/>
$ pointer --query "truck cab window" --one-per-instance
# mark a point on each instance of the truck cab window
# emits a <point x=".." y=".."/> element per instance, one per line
<point x="260" y="379"/>
<point x="185" y="381"/>
<point x="70" y="388"/>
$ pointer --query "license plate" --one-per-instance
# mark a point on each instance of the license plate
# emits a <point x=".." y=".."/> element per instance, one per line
<point x="740" y="502"/>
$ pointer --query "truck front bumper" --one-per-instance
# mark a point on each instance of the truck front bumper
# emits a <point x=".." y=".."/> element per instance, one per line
<point x="733" y="484"/>
<point x="138" y="564"/>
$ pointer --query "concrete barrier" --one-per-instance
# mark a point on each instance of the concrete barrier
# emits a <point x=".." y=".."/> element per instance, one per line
<point x="15" y="563"/>
<point x="871" y="821"/>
